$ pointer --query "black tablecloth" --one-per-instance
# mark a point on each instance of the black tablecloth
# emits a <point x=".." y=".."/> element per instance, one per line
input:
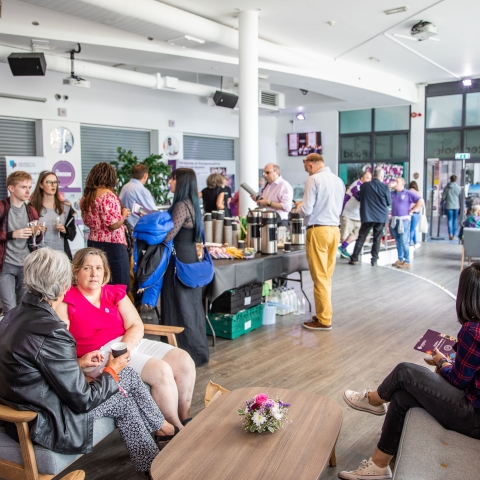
<point x="235" y="273"/>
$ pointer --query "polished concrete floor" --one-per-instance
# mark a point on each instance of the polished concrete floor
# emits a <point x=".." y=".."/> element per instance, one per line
<point x="379" y="314"/>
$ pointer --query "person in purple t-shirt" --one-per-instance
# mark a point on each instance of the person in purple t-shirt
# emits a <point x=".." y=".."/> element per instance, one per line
<point x="402" y="199"/>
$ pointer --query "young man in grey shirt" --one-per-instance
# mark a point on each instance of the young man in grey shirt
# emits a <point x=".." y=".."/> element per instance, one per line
<point x="16" y="238"/>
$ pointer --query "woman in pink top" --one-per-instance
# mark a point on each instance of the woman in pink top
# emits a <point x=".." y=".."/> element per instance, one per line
<point x="100" y="315"/>
<point x="103" y="214"/>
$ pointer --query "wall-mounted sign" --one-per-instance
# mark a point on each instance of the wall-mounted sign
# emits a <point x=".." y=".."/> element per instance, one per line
<point x="462" y="156"/>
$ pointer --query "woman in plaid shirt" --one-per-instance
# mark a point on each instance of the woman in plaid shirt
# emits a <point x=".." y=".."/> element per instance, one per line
<point x="451" y="394"/>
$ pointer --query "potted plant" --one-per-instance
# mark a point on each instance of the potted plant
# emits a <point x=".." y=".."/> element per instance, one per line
<point x="157" y="176"/>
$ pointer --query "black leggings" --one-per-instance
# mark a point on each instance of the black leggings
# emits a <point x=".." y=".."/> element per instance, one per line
<point x="118" y="260"/>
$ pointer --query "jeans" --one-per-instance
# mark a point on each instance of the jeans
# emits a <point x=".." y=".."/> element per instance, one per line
<point x="452" y="216"/>
<point x="362" y="235"/>
<point x="409" y="386"/>
<point x="402" y="240"/>
<point x="12" y="289"/>
<point x="413" y="227"/>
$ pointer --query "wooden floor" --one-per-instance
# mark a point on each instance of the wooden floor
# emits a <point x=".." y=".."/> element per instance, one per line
<point x="379" y="314"/>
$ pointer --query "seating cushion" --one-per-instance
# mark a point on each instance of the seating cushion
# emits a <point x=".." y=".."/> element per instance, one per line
<point x="430" y="452"/>
<point x="48" y="462"/>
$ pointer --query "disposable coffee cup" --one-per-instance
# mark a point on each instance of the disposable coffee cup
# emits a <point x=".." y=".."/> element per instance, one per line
<point x="241" y="244"/>
<point x="287" y="246"/>
<point x="118" y="349"/>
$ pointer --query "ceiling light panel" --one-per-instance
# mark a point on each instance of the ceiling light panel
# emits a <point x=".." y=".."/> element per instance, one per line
<point x="392" y="11"/>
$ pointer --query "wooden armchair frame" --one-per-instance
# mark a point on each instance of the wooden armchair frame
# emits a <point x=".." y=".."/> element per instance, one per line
<point x="28" y="471"/>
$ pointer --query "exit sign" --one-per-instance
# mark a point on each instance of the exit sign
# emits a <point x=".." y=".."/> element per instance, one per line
<point x="462" y="156"/>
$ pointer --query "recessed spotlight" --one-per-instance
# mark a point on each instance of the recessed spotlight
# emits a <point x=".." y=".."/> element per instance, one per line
<point x="117" y="65"/>
<point x="35" y="23"/>
<point x="331" y="22"/>
<point x="467" y="82"/>
<point x="300" y="116"/>
<point x="150" y="38"/>
<point x="392" y="11"/>
<point x="373" y="59"/>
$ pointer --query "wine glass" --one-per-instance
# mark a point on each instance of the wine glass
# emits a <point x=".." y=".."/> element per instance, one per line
<point x="33" y="225"/>
<point x="58" y="222"/>
<point x="43" y="224"/>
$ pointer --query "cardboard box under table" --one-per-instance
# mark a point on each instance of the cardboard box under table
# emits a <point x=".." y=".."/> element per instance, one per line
<point x="233" y="326"/>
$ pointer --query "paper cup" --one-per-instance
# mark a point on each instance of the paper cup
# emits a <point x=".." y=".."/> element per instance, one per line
<point x="119" y="348"/>
<point x="287" y="246"/>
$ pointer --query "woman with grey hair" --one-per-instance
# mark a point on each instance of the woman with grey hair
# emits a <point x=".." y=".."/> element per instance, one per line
<point x="39" y="371"/>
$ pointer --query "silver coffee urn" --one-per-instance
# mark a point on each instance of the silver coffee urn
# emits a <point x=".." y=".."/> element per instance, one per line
<point x="269" y="233"/>
<point x="254" y="220"/>
<point x="297" y="229"/>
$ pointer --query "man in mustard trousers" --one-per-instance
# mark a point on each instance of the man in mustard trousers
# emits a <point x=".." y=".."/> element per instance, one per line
<point x="321" y="207"/>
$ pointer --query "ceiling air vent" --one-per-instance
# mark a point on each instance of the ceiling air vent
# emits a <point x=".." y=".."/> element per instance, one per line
<point x="271" y="100"/>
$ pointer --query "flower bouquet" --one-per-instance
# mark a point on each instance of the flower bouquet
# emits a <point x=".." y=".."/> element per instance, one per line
<point x="262" y="414"/>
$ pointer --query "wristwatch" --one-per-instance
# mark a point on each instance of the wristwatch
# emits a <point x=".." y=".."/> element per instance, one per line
<point x="269" y="203"/>
<point x="442" y="361"/>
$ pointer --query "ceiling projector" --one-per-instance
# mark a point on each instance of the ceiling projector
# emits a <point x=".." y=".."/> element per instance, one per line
<point x="76" y="82"/>
<point x="423" y="30"/>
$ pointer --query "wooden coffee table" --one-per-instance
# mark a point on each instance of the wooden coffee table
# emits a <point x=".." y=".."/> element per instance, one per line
<point x="215" y="446"/>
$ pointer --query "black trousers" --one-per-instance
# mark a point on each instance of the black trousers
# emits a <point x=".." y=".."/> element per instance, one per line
<point x="362" y="235"/>
<point x="118" y="260"/>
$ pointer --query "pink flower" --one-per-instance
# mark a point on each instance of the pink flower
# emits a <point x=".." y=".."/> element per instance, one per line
<point x="261" y="398"/>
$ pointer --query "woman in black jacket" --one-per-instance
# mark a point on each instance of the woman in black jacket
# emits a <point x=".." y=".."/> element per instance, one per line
<point x="59" y="216"/>
<point x="39" y="371"/>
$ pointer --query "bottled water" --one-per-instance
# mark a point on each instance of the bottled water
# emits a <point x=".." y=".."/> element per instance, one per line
<point x="294" y="301"/>
<point x="302" y="306"/>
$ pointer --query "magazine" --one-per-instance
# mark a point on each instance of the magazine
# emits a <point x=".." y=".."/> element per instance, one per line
<point x="432" y="339"/>
<point x="139" y="210"/>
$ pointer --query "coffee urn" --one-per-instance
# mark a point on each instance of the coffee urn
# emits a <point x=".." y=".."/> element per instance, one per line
<point x="254" y="220"/>
<point x="297" y="229"/>
<point x="269" y="233"/>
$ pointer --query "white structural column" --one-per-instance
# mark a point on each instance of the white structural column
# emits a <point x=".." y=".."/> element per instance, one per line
<point x="248" y="105"/>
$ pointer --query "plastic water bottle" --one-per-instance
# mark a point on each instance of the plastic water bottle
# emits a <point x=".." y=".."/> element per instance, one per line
<point x="302" y="306"/>
<point x="294" y="301"/>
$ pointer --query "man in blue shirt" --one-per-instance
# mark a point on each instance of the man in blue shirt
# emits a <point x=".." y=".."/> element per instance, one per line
<point x="404" y="203"/>
<point x="135" y="191"/>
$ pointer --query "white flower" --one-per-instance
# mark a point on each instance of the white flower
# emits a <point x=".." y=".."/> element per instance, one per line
<point x="258" y="419"/>
<point x="276" y="413"/>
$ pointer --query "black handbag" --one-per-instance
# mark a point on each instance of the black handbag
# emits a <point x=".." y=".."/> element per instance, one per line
<point x="197" y="274"/>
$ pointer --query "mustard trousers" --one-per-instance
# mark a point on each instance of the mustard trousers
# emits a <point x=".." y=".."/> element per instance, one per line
<point x="321" y="249"/>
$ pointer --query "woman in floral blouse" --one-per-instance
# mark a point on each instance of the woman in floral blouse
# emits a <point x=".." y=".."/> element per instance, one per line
<point x="104" y="215"/>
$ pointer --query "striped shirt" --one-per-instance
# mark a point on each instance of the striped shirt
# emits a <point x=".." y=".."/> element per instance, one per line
<point x="465" y="371"/>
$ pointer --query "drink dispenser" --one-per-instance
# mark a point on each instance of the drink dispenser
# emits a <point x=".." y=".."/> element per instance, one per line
<point x="297" y="229"/>
<point x="269" y="232"/>
<point x="254" y="220"/>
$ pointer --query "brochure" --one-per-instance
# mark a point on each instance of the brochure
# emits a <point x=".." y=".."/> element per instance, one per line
<point x="432" y="339"/>
<point x="139" y="210"/>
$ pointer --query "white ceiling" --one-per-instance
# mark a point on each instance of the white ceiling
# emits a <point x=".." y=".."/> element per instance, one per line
<point x="357" y="35"/>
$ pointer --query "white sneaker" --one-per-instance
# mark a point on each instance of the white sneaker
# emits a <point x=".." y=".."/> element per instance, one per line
<point x="366" y="471"/>
<point x="359" y="400"/>
<point x="417" y="246"/>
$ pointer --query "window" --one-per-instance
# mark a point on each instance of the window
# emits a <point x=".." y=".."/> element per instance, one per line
<point x="472" y="114"/>
<point x="356" y="121"/>
<point x="444" y="112"/>
<point x="207" y="148"/>
<point x="355" y="148"/>
<point x="443" y="144"/>
<point x="472" y="142"/>
<point x="392" y="118"/>
<point x="391" y="147"/>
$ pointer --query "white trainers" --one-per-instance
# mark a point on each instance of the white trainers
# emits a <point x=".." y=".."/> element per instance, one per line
<point x="359" y="400"/>
<point x="367" y="471"/>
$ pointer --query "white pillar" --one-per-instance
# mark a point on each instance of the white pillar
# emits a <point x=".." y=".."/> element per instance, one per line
<point x="417" y="140"/>
<point x="248" y="105"/>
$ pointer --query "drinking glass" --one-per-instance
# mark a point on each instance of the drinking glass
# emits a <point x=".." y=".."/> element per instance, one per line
<point x="34" y="225"/>
<point x="43" y="224"/>
<point x="58" y="221"/>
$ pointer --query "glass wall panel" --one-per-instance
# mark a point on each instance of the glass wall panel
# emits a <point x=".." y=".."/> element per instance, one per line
<point x="444" y="112"/>
<point x="355" y="148"/>
<point x="349" y="172"/>
<point x="393" y="170"/>
<point x="472" y="142"/>
<point x="391" y="147"/>
<point x="356" y="121"/>
<point x="443" y="144"/>
<point x="472" y="114"/>
<point x="392" y="118"/>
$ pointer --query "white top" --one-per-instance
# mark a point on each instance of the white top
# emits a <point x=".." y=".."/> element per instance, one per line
<point x="279" y="191"/>
<point x="323" y="199"/>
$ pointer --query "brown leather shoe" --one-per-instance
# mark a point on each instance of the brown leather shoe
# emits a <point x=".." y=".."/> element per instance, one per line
<point x="316" y="325"/>
<point x="397" y="263"/>
<point x="403" y="265"/>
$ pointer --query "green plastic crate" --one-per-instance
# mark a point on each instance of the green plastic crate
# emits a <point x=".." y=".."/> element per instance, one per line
<point x="232" y="326"/>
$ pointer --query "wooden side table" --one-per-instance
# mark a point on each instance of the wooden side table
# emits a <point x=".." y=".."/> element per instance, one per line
<point x="215" y="446"/>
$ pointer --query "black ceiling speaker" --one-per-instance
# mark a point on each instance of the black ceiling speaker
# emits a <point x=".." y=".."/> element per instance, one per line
<point x="27" y="64"/>
<point x="223" y="99"/>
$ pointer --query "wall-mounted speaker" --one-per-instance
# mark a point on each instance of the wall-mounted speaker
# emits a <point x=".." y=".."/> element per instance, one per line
<point x="223" y="99"/>
<point x="27" y="64"/>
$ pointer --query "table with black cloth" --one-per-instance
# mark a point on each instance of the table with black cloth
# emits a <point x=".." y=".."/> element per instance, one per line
<point x="231" y="274"/>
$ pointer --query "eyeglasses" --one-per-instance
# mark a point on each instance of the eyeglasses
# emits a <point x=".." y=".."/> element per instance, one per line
<point x="266" y="173"/>
<point x="50" y="183"/>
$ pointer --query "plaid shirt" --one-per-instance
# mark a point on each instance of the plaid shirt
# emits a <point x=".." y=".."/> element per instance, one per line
<point x="465" y="372"/>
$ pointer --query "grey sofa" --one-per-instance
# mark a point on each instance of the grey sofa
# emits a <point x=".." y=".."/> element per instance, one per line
<point x="48" y="462"/>
<point x="430" y="452"/>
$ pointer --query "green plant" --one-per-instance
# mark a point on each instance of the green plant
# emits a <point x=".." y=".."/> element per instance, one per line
<point x="157" y="176"/>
